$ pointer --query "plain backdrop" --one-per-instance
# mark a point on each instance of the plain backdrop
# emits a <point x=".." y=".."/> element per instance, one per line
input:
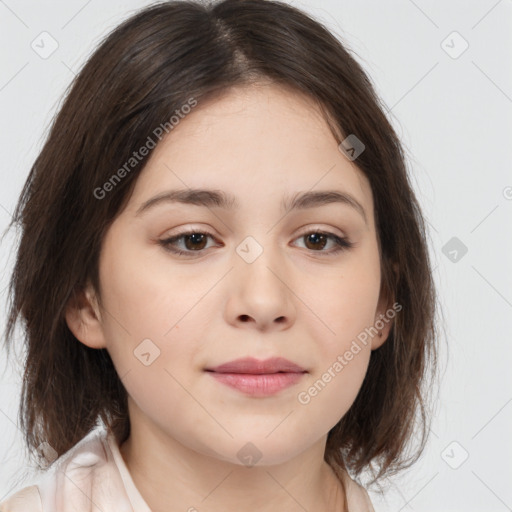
<point x="443" y="70"/>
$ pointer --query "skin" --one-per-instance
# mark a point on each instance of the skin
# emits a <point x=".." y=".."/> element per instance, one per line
<point x="261" y="144"/>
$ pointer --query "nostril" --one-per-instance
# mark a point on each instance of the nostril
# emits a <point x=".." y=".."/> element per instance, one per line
<point x="244" y="318"/>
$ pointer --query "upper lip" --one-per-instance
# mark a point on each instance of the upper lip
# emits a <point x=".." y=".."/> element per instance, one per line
<point x="250" y="365"/>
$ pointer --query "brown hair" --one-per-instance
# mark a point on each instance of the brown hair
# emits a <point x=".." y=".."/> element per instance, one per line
<point x="142" y="73"/>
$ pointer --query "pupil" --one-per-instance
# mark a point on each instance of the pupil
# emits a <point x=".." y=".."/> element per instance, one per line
<point x="196" y="239"/>
<point x="315" y="238"/>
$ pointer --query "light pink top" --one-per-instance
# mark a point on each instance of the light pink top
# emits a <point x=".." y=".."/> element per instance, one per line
<point x="93" y="476"/>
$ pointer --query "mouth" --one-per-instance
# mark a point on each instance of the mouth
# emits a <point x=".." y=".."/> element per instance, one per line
<point x="258" y="378"/>
<point x="250" y="365"/>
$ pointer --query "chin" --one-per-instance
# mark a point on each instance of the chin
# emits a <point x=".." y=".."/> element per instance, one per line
<point x="263" y="452"/>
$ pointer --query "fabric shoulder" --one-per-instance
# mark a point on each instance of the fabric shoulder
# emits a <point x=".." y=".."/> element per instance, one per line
<point x="85" y="476"/>
<point x="357" y="496"/>
<point x="27" y="499"/>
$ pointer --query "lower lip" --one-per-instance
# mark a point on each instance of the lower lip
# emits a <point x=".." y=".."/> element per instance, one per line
<point x="258" y="385"/>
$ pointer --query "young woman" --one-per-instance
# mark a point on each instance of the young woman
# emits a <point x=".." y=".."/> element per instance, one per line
<point x="224" y="268"/>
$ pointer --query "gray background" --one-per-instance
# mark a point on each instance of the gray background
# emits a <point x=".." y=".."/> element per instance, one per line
<point x="452" y="109"/>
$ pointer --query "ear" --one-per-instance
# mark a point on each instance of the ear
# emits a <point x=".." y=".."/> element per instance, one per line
<point x="386" y="311"/>
<point x="84" y="319"/>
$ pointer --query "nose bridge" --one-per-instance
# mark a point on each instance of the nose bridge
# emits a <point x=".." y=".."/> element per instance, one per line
<point x="259" y="262"/>
<point x="259" y="291"/>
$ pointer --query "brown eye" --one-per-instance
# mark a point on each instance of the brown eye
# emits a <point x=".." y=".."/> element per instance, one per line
<point x="315" y="241"/>
<point x="187" y="243"/>
<point x="195" y="241"/>
<point x="327" y="244"/>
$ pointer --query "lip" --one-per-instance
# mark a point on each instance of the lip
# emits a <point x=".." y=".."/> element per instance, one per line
<point x="250" y="365"/>
<point x="258" y="378"/>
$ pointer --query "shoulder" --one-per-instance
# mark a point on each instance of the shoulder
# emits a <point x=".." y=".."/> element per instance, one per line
<point x="357" y="496"/>
<point x="86" y="470"/>
<point x="27" y="499"/>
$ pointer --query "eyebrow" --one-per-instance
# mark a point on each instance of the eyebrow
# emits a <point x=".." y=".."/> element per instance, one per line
<point x="220" y="199"/>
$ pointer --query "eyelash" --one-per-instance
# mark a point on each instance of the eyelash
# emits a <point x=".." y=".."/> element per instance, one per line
<point x="343" y="244"/>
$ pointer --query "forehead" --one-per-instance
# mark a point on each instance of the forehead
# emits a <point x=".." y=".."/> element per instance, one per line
<point x="254" y="141"/>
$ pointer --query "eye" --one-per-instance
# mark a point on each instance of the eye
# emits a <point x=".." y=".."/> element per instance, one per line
<point x="190" y="242"/>
<point x="187" y="243"/>
<point x="316" y="241"/>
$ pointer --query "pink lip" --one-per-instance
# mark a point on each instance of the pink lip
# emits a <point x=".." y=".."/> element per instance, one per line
<point x="255" y="366"/>
<point x="258" y="384"/>
<point x="258" y="378"/>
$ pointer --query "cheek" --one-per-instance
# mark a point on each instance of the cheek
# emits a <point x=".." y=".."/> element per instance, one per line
<point x="330" y="393"/>
<point x="144" y="296"/>
<point x="342" y="359"/>
<point x="342" y="304"/>
<point x="143" y="304"/>
<point x="152" y="352"/>
<point x="345" y="310"/>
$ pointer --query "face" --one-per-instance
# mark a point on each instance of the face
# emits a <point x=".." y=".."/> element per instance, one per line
<point x="263" y="265"/>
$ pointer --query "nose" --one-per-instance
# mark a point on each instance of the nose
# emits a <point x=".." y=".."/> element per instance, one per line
<point x="260" y="295"/>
